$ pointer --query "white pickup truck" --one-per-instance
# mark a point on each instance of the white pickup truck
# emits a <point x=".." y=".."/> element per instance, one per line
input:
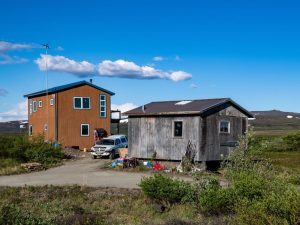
<point x="109" y="146"/>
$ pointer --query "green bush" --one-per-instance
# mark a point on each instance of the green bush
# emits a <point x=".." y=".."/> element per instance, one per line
<point x="274" y="208"/>
<point x="216" y="200"/>
<point x="28" y="149"/>
<point x="250" y="185"/>
<point x="42" y="152"/>
<point x="13" y="214"/>
<point x="292" y="141"/>
<point x="294" y="179"/>
<point x="165" y="189"/>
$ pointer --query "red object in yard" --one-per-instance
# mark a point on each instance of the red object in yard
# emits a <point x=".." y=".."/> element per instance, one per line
<point x="158" y="166"/>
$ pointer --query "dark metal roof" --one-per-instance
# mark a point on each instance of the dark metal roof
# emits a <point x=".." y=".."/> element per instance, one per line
<point x="66" y="87"/>
<point x="200" y="106"/>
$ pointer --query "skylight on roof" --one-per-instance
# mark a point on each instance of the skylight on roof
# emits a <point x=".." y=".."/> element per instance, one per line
<point x="182" y="102"/>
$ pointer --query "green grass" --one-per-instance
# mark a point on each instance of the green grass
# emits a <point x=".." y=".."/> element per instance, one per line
<point x="10" y="166"/>
<point x="84" y="205"/>
<point x="18" y="149"/>
<point x="284" y="161"/>
<point x="272" y="132"/>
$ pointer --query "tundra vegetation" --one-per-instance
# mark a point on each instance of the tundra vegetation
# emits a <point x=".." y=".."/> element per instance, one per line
<point x="17" y="149"/>
<point x="259" y="191"/>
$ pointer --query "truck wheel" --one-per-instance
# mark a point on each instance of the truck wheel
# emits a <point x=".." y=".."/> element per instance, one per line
<point x="112" y="155"/>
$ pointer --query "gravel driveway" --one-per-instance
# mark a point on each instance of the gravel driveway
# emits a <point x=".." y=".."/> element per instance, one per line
<point x="82" y="172"/>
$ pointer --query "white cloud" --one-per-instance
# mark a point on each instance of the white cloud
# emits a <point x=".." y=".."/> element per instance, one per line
<point x="193" y="85"/>
<point x="123" y="108"/>
<point x="3" y="92"/>
<point x="126" y="69"/>
<point x="161" y="58"/>
<point x="158" y="58"/>
<point x="19" y="112"/>
<point x="6" y="59"/>
<point x="6" y="47"/>
<point x="59" y="48"/>
<point x="9" y="46"/>
<point x="119" y="68"/>
<point x="63" y="64"/>
<point x="180" y="75"/>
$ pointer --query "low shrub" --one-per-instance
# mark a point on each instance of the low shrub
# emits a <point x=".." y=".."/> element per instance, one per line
<point x="216" y="200"/>
<point x="292" y="141"/>
<point x="250" y="185"/>
<point x="13" y="214"/>
<point x="44" y="153"/>
<point x="165" y="189"/>
<point x="294" y="179"/>
<point x="274" y="208"/>
<point x="21" y="148"/>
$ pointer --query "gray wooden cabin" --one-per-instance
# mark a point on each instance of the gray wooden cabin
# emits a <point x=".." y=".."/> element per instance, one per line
<point x="213" y="125"/>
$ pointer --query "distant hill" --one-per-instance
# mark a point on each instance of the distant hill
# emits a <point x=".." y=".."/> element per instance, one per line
<point x="275" y="113"/>
<point x="275" y="122"/>
<point x="13" y="127"/>
<point x="272" y="122"/>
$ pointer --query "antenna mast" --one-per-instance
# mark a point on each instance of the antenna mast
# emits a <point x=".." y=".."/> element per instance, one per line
<point x="46" y="46"/>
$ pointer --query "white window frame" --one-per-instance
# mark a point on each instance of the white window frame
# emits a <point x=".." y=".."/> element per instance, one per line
<point x="51" y="101"/>
<point x="223" y="132"/>
<point x="30" y="106"/>
<point x="83" y="124"/>
<point x="100" y="101"/>
<point x="175" y="121"/>
<point x="40" y="104"/>
<point x="81" y="103"/>
<point x="34" y="104"/>
<point x="30" y="130"/>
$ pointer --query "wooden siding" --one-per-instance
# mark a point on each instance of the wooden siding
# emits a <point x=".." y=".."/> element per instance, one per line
<point x="216" y="145"/>
<point x="155" y="134"/>
<point x="70" y="119"/>
<point x="39" y="118"/>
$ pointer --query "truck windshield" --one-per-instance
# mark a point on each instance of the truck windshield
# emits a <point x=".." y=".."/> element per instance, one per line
<point x="106" y="142"/>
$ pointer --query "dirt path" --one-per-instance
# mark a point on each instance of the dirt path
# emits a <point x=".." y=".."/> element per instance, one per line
<point x="82" y="172"/>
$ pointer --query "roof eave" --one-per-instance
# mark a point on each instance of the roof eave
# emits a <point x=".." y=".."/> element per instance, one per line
<point x="41" y="93"/>
<point x="162" y="113"/>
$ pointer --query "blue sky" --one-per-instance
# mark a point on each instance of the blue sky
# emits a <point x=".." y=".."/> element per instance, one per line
<point x="154" y="50"/>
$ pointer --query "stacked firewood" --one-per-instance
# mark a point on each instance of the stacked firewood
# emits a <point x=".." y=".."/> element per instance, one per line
<point x="31" y="167"/>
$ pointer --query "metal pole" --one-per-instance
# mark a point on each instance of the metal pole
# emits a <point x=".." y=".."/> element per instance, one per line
<point x="47" y="98"/>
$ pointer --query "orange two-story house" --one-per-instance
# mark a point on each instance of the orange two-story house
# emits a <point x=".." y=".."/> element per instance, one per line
<point x="69" y="114"/>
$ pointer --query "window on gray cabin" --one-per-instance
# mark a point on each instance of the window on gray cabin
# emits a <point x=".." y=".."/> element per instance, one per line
<point x="224" y="127"/>
<point x="177" y="128"/>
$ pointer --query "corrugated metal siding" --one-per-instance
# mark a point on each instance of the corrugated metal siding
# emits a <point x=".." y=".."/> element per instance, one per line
<point x="39" y="118"/>
<point x="69" y="119"/>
